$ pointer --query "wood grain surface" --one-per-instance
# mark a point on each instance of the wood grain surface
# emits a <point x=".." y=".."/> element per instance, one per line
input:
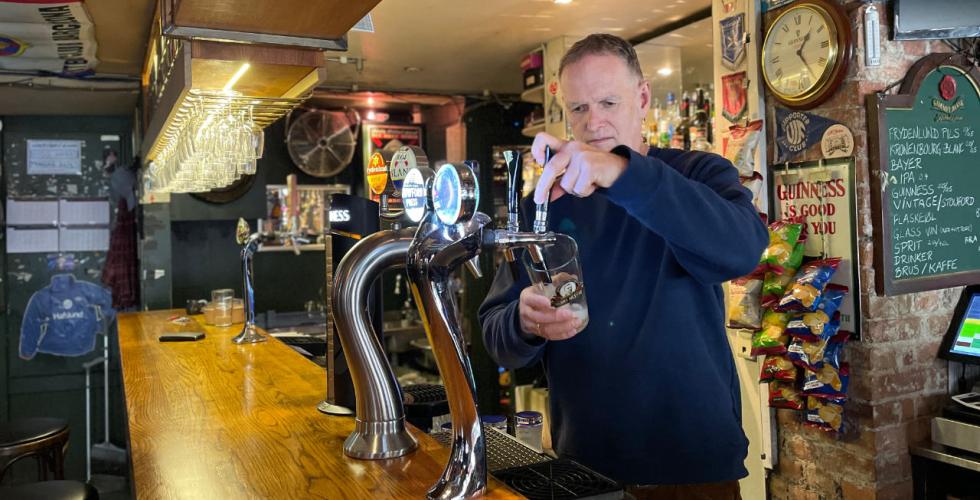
<point x="215" y="420"/>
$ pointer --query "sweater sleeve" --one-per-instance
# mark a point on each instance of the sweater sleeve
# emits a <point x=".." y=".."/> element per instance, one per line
<point x="699" y="207"/>
<point x="500" y="321"/>
<point x="30" y="328"/>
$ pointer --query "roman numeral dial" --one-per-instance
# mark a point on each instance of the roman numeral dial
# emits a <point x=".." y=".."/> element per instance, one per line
<point x="803" y="53"/>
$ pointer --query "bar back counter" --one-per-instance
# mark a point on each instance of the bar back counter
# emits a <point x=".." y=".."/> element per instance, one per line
<point x="212" y="419"/>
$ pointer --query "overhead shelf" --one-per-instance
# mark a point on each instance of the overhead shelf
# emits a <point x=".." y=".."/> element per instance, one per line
<point x="534" y="94"/>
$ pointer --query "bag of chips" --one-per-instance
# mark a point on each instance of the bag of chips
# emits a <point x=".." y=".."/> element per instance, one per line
<point x="739" y="146"/>
<point x="813" y="326"/>
<point x="783" y="237"/>
<point x="744" y="309"/>
<point x="808" y="286"/>
<point x="778" y="278"/>
<point x="772" y="339"/>
<point x="777" y="368"/>
<point x="825" y="413"/>
<point x="784" y="395"/>
<point x="828" y="381"/>
<point x="806" y="353"/>
<point x="754" y="183"/>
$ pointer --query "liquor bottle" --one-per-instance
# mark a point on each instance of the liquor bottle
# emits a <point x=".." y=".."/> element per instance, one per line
<point x="666" y="125"/>
<point x="686" y="122"/>
<point x="699" y="143"/>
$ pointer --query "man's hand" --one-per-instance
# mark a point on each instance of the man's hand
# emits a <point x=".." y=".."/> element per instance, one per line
<point x="540" y="319"/>
<point x="581" y="168"/>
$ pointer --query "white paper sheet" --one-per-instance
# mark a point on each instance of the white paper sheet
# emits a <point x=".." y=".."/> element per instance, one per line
<point x="32" y="240"/>
<point x="84" y="212"/>
<point x="54" y="157"/>
<point x="32" y="212"/>
<point x="83" y="240"/>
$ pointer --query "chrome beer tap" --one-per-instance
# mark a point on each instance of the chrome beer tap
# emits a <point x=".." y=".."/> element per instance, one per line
<point x="250" y="244"/>
<point x="379" y="428"/>
<point x="453" y="233"/>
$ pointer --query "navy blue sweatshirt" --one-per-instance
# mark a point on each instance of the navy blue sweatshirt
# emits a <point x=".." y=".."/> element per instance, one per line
<point x="647" y="393"/>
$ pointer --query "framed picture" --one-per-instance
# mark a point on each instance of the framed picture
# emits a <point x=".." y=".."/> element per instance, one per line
<point x="823" y="193"/>
<point x="386" y="138"/>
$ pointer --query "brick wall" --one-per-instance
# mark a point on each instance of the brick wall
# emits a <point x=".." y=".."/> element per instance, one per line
<point x="897" y="383"/>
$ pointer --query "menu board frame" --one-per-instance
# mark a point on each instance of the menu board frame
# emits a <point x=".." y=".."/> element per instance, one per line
<point x="877" y="106"/>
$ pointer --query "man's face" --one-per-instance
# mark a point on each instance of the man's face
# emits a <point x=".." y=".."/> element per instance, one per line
<point x="605" y="102"/>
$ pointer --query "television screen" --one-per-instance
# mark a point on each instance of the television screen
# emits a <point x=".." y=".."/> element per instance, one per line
<point x="923" y="19"/>
<point x="962" y="341"/>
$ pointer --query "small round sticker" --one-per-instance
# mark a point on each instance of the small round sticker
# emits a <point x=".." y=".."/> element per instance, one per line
<point x="377" y="173"/>
<point x="404" y="160"/>
<point x="837" y="142"/>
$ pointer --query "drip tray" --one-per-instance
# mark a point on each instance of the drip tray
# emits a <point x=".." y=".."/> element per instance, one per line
<point x="559" y="479"/>
<point x="538" y="476"/>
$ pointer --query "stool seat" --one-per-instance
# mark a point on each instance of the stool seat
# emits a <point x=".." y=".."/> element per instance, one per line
<point x="44" y="439"/>
<point x="25" y="430"/>
<point x="50" y="490"/>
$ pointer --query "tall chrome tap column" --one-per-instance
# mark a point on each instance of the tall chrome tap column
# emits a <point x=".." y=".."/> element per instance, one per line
<point x="451" y="234"/>
<point x="379" y="429"/>
<point x="250" y="244"/>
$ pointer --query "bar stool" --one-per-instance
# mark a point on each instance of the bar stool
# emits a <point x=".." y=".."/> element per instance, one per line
<point x="45" y="439"/>
<point x="50" y="490"/>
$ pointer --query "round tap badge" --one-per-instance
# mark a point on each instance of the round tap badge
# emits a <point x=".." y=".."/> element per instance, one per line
<point x="415" y="194"/>
<point x="377" y="173"/>
<point x="446" y="191"/>
<point x="455" y="193"/>
<point x="404" y="160"/>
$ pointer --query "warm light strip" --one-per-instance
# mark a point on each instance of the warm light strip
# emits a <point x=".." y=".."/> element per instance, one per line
<point x="234" y="78"/>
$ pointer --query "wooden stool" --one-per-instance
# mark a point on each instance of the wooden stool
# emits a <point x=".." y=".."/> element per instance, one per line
<point x="45" y="439"/>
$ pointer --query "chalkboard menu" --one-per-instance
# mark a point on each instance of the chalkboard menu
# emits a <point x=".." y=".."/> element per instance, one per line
<point x="925" y="178"/>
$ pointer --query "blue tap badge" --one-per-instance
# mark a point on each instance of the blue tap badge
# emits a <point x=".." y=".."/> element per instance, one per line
<point x="446" y="192"/>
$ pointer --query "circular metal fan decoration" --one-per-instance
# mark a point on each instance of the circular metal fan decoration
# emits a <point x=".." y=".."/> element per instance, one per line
<point x="322" y="143"/>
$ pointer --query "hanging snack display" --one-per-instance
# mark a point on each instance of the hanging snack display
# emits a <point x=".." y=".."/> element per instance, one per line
<point x="772" y="339"/>
<point x="805" y="292"/>
<point x="744" y="296"/>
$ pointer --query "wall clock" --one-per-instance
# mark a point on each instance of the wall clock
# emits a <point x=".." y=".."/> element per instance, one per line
<point x="805" y="53"/>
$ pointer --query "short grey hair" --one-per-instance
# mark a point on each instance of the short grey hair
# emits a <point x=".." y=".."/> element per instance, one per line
<point x="602" y="44"/>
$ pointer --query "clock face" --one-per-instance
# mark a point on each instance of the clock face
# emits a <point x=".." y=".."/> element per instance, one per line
<point x="800" y="52"/>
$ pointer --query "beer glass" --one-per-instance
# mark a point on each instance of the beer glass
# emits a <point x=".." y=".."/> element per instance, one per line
<point x="559" y="277"/>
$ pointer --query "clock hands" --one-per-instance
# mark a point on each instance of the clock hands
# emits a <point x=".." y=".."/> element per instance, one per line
<point x="799" y="52"/>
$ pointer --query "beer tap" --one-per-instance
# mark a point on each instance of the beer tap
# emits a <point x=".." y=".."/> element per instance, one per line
<point x="250" y="244"/>
<point x="452" y="233"/>
<point x="290" y="234"/>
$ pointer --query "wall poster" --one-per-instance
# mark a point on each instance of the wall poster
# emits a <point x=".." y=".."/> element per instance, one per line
<point x="823" y="193"/>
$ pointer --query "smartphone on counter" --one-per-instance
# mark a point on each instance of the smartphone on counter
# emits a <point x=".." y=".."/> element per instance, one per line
<point x="181" y="336"/>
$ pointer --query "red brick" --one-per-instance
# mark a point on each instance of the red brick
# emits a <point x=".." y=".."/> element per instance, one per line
<point x="927" y="352"/>
<point x="890" y="307"/>
<point x="894" y="412"/>
<point x="889" y="330"/>
<point x="893" y="468"/>
<point x="920" y="430"/>
<point x="892" y="440"/>
<point x="852" y="491"/>
<point x="937" y="324"/>
<point x="930" y="406"/>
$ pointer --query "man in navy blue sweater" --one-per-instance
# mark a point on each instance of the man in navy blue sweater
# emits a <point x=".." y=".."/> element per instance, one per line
<point x="647" y="393"/>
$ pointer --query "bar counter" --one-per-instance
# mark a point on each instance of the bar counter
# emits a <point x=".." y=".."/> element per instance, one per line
<point x="211" y="419"/>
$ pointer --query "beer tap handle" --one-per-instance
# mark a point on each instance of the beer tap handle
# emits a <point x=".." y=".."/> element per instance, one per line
<point x="541" y="209"/>
<point x="513" y="159"/>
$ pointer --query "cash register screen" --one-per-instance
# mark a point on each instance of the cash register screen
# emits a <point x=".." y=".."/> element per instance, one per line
<point x="962" y="341"/>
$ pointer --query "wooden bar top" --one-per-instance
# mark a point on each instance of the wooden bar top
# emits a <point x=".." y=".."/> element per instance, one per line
<point x="211" y="419"/>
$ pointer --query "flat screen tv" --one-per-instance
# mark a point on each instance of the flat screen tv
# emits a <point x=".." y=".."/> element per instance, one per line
<point x="962" y="340"/>
<point x="924" y="19"/>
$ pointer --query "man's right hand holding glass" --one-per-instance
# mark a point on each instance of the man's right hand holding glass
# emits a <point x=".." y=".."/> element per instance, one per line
<point x="539" y="319"/>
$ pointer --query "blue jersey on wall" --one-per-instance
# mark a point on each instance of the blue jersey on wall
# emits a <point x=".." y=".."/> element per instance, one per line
<point x="64" y="317"/>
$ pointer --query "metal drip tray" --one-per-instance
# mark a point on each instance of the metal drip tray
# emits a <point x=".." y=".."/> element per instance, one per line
<point x="535" y="475"/>
<point x="503" y="450"/>
<point x="559" y="479"/>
